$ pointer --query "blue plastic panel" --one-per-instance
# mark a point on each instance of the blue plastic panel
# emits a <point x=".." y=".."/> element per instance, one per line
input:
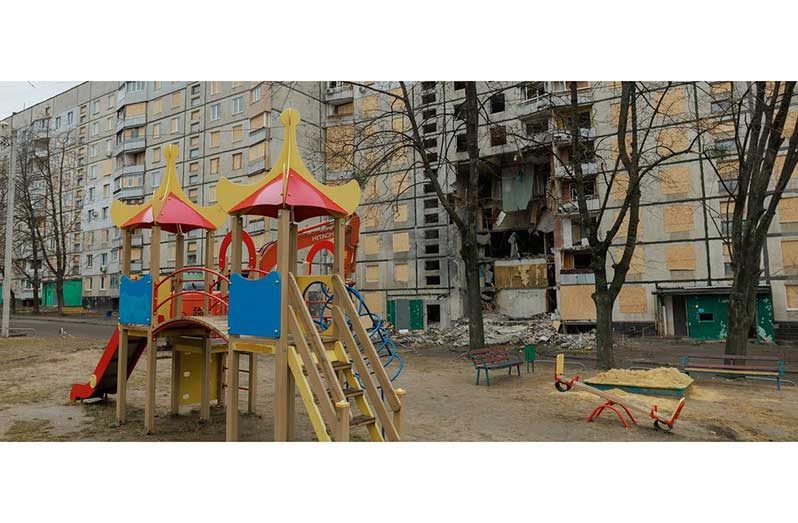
<point x="255" y="305"/>
<point x="135" y="300"/>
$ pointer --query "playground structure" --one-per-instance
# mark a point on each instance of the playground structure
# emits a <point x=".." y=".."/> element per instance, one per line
<point x="615" y="403"/>
<point x="330" y="360"/>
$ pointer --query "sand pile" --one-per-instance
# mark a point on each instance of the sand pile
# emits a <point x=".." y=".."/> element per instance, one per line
<point x="664" y="405"/>
<point x="662" y="377"/>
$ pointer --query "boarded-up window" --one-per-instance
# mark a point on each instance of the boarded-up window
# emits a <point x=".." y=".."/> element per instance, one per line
<point x="135" y="109"/>
<point x="721" y="130"/>
<point x="372" y="273"/>
<point x="620" y="186"/>
<point x="194" y="141"/>
<point x="211" y="194"/>
<point x="633" y="300"/>
<point x="400" y="272"/>
<point x="398" y="123"/>
<point x="371" y="245"/>
<point x="177" y="99"/>
<point x="214" y="165"/>
<point x="788" y="210"/>
<point x="673" y="102"/>
<point x="156" y="154"/>
<point x="238" y="133"/>
<point x="256" y="122"/>
<point x="789" y="254"/>
<point x="729" y="170"/>
<point x="193" y="167"/>
<point x="792" y="296"/>
<point x="370" y="216"/>
<point x="675" y="180"/>
<point x="369" y="104"/>
<point x="257" y="152"/>
<point x="623" y="230"/>
<point x="680" y="257"/>
<point x="614" y="150"/>
<point x="726" y="250"/>
<point x="637" y="265"/>
<point x="400" y="182"/>
<point x="576" y="302"/>
<point x="672" y="139"/>
<point x="339" y="148"/>
<point x="789" y="124"/>
<point x="216" y="137"/>
<point x="401" y="242"/>
<point x="400" y="213"/>
<point x="238" y="160"/>
<point x="678" y="218"/>
<point x="375" y="301"/>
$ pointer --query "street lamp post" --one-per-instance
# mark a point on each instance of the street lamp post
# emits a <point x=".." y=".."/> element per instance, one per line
<point x="8" y="267"/>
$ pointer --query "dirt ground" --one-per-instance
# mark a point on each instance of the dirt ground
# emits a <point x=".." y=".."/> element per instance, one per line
<point x="443" y="403"/>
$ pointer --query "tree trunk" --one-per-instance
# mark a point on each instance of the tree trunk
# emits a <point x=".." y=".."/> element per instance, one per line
<point x="742" y="305"/>
<point x="59" y="293"/>
<point x="470" y="254"/>
<point x="605" y="356"/>
<point x="13" y="302"/>
<point x="36" y="309"/>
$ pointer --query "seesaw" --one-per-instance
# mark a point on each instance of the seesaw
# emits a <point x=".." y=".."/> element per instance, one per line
<point x="614" y="401"/>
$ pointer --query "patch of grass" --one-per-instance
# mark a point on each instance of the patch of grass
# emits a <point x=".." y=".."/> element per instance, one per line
<point x="29" y="430"/>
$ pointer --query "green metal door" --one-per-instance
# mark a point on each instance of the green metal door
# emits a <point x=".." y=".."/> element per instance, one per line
<point x="406" y="314"/>
<point x="707" y="317"/>
<point x="764" y="318"/>
<point x="416" y="314"/>
<point x="48" y="294"/>
<point x="73" y="293"/>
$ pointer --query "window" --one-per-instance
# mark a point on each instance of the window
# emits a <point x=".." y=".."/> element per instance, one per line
<point x="91" y="194"/>
<point x="706" y="317"/>
<point x="156" y="85"/>
<point x="177" y="99"/>
<point x="427" y="85"/>
<point x="238" y="133"/>
<point x="432" y="248"/>
<point x="536" y="127"/>
<point x="238" y="105"/>
<point x="194" y="141"/>
<point x="216" y="111"/>
<point x="95" y="128"/>
<point x="156" y="154"/>
<point x="134" y="87"/>
<point x="459" y="86"/>
<point x="195" y="115"/>
<point x="433" y="279"/>
<point x="175" y="125"/>
<point x="92" y="151"/>
<point x="156" y="130"/>
<point x="104" y="258"/>
<point x="431" y="234"/>
<point x="109" y="123"/>
<point x="431" y="203"/>
<point x="214" y="165"/>
<point x="89" y="260"/>
<point x="193" y="179"/>
<point x="87" y="284"/>
<point x="216" y="88"/>
<point x="156" y="179"/>
<point x="114" y="255"/>
<point x="238" y="159"/>
<point x="57" y="122"/>
<point x="462" y="143"/>
<point x="69" y="118"/>
<point x="92" y="172"/>
<point x="193" y="167"/>
<point x="215" y="138"/>
<point x="192" y="194"/>
<point x="430" y="143"/>
<point x="497" y="103"/>
<point x="498" y="135"/>
<point x="193" y="153"/>
<point x="459" y="111"/>
<point x="428" y="98"/>
<point x="255" y="94"/>
<point x="95" y="107"/>
<point x="212" y="194"/>
<point x="195" y="89"/>
<point x="532" y="90"/>
<point x="431" y="218"/>
<point x="430" y="127"/>
<point x="428" y="188"/>
<point x="429" y="113"/>
<point x="106" y="190"/>
<point x="111" y="101"/>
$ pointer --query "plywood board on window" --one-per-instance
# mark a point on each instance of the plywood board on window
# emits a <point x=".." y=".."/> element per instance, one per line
<point x="372" y="273"/>
<point x="721" y="130"/>
<point x="520" y="275"/>
<point x="400" y="213"/>
<point x="620" y="186"/>
<point x="789" y="253"/>
<point x="792" y="296"/>
<point x="633" y="300"/>
<point x="401" y="242"/>
<point x="678" y="218"/>
<point x="135" y="109"/>
<point x="576" y="303"/>
<point x="675" y="180"/>
<point x="368" y="104"/>
<point x="371" y="244"/>
<point x="729" y="170"/>
<point x="680" y="257"/>
<point x="672" y="139"/>
<point x="623" y="230"/>
<point x="673" y="101"/>
<point x="400" y="182"/>
<point x="788" y="210"/>
<point x="400" y="272"/>
<point x="637" y="265"/>
<point x="370" y="216"/>
<point x="375" y="301"/>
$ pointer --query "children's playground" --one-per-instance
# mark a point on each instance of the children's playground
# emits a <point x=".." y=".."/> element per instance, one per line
<point x="251" y="345"/>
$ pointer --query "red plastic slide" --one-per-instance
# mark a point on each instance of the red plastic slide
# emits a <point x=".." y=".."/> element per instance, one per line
<point x="103" y="380"/>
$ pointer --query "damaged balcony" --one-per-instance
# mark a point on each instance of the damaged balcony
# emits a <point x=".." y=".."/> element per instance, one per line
<point x="576" y="266"/>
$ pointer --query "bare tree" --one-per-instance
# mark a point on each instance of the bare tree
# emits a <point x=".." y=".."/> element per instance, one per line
<point x="642" y="142"/>
<point x="391" y="138"/>
<point x="754" y="171"/>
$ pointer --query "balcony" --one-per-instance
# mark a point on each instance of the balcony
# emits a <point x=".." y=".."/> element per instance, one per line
<point x="561" y="136"/>
<point x="553" y="100"/>
<point x="131" y="121"/>
<point x="576" y="277"/>
<point x="131" y="145"/>
<point x="129" y="193"/>
<point x="129" y="169"/>
<point x="588" y="169"/>
<point x="340" y="94"/>
<point x="258" y="135"/>
<point x="256" y="166"/>
<point x="136" y="266"/>
<point x="572" y="207"/>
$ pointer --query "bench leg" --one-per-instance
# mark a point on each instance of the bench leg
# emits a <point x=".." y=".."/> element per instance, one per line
<point x="478" y="371"/>
<point x="487" y="377"/>
<point x="518" y="369"/>
<point x="778" y="382"/>
<point x="511" y="371"/>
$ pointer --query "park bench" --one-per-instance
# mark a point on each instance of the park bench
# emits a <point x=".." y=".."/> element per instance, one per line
<point x="734" y="365"/>
<point x="492" y="358"/>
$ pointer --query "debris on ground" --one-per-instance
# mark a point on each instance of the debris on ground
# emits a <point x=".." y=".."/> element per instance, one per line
<point x="499" y="329"/>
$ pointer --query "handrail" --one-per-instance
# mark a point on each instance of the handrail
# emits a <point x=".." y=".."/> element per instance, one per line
<point x="375" y="399"/>
<point x="295" y="298"/>
<point x="191" y="269"/>
<point x="184" y="293"/>
<point x="368" y="346"/>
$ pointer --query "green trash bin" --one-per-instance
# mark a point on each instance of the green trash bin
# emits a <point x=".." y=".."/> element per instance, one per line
<point x="530" y="353"/>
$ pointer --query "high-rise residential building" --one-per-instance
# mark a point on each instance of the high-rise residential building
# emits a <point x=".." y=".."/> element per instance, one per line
<point x="534" y="258"/>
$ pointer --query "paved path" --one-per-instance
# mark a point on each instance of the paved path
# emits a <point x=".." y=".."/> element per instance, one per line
<point x="51" y="326"/>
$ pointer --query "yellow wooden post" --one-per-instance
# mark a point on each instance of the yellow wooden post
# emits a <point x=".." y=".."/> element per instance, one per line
<point x="174" y="408"/>
<point x="399" y="415"/>
<point x="342" y="412"/>
<point x="281" y="371"/>
<point x="233" y="357"/>
<point x="122" y="352"/>
<point x="252" y="383"/>
<point x="155" y="272"/>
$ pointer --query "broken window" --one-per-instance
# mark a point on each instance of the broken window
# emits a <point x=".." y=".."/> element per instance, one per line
<point x="431" y="218"/>
<point x="430" y="143"/>
<point x="430" y="127"/>
<point x="428" y="188"/>
<point x="459" y="111"/>
<point x="536" y="127"/>
<point x="432" y="248"/>
<point x="497" y="103"/>
<point x="459" y="85"/>
<point x="432" y="157"/>
<point x="428" y="98"/>
<point x="532" y="90"/>
<point x="427" y="85"/>
<point x="590" y="189"/>
<point x="431" y="234"/>
<point x="429" y="113"/>
<point x="433" y="280"/>
<point x="462" y="144"/>
<point x="498" y="135"/>
<point x="431" y="203"/>
<point x="433" y="313"/>
<point x="432" y="265"/>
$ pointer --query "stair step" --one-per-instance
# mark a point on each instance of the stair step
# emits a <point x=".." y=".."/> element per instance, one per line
<point x="348" y="393"/>
<point x="336" y="365"/>
<point x="360" y="421"/>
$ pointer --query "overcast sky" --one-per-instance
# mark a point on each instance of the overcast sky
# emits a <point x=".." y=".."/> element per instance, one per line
<point x="15" y="96"/>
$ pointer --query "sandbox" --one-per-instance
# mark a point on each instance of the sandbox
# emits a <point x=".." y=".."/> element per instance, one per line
<point x="662" y="381"/>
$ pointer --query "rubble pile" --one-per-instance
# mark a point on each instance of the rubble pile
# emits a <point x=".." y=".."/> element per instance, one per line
<point x="499" y="330"/>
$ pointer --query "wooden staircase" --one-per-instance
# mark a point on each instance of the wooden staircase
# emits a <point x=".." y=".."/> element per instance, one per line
<point x="325" y="375"/>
